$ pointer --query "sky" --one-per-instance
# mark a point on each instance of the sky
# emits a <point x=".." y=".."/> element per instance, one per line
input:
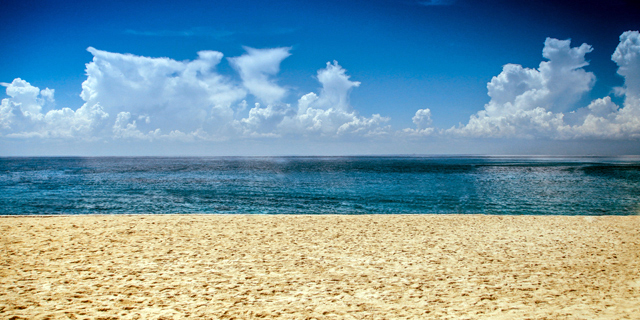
<point x="264" y="78"/>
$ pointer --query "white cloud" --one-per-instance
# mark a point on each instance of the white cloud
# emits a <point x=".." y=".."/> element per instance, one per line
<point x="161" y="93"/>
<point x="627" y="56"/>
<point x="141" y="98"/>
<point x="256" y="67"/>
<point x="171" y="95"/>
<point x="422" y="120"/>
<point x="130" y="97"/>
<point x="536" y="102"/>
<point x="6" y="114"/>
<point x="21" y="115"/>
<point x="125" y="129"/>
<point x="336" y="87"/>
<point x="330" y="114"/>
<point x="523" y="100"/>
<point x="327" y="115"/>
<point x="263" y="121"/>
<point x="607" y="120"/>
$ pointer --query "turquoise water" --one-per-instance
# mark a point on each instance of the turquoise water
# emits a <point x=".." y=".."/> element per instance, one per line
<point x="321" y="185"/>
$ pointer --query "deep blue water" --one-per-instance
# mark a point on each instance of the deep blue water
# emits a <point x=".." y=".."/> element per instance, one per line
<point x="321" y="185"/>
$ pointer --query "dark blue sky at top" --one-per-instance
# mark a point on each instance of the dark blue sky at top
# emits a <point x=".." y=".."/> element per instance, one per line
<point x="408" y="54"/>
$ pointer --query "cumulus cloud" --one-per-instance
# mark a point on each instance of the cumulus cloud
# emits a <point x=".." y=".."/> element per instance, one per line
<point x="627" y="56"/>
<point x="330" y="113"/>
<point x="171" y="95"/>
<point x="21" y="115"/>
<point x="422" y="120"/>
<point x="537" y="102"/>
<point x="132" y="97"/>
<point x="125" y="129"/>
<point x="603" y="118"/>
<point x="336" y="87"/>
<point x="143" y="98"/>
<point x="523" y="100"/>
<point x="256" y="68"/>
<point x="263" y="121"/>
<point x="129" y="97"/>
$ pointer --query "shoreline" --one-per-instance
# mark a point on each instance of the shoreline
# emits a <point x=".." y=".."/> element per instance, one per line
<point x="313" y="215"/>
<point x="320" y="266"/>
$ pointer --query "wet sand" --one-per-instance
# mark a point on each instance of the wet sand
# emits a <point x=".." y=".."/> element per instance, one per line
<point x="323" y="267"/>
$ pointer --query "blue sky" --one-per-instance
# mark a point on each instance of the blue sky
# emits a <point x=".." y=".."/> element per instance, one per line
<point x="413" y="73"/>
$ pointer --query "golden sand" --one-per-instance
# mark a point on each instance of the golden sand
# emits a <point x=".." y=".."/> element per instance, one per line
<point x="323" y="267"/>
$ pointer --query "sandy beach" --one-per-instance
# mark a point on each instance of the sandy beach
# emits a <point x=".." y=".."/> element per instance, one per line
<point x="322" y="267"/>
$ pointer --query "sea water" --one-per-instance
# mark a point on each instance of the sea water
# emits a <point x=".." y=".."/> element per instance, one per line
<point x="321" y="185"/>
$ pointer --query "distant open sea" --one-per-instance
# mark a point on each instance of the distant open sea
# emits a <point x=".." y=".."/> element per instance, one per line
<point x="321" y="185"/>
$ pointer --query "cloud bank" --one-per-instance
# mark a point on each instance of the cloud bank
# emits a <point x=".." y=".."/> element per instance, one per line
<point x="142" y="98"/>
<point x="135" y="98"/>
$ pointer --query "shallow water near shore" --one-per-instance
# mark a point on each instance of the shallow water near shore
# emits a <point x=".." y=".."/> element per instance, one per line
<point x="321" y="185"/>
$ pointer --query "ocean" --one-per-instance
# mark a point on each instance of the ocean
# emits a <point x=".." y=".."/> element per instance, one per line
<point x="321" y="185"/>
